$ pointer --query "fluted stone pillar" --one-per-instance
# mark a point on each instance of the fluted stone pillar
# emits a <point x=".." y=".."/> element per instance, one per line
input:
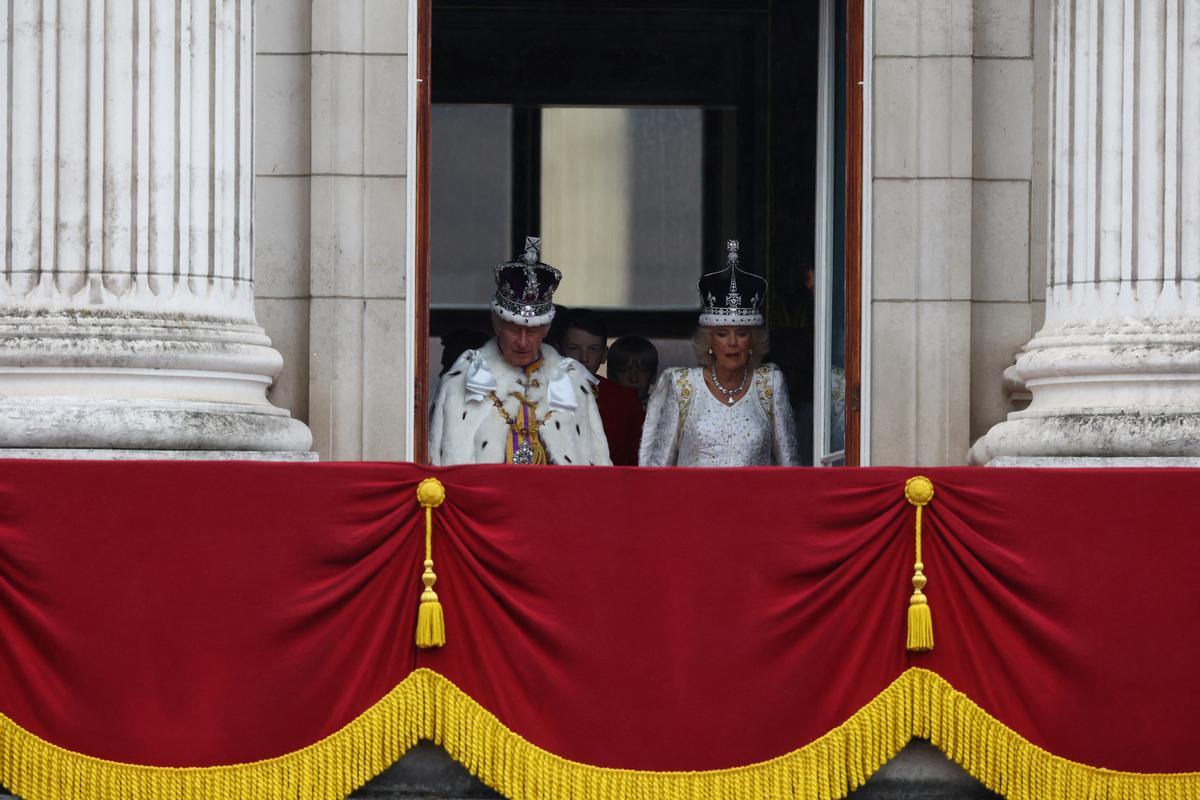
<point x="126" y="299"/>
<point x="1115" y="371"/>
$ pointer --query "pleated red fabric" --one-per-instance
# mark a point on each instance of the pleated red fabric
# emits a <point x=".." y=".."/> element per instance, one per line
<point x="200" y="614"/>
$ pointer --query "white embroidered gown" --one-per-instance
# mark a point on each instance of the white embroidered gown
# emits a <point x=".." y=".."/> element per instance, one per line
<point x="687" y="426"/>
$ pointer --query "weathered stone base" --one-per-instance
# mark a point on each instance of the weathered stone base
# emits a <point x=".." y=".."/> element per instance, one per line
<point x="1102" y="433"/>
<point x="136" y="379"/>
<point x="1073" y="462"/>
<point x="91" y="423"/>
<point x="921" y="772"/>
<point x="1115" y="372"/>
<point x="80" y="454"/>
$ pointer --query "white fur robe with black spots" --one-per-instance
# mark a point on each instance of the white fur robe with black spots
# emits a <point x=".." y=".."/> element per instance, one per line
<point x="467" y="428"/>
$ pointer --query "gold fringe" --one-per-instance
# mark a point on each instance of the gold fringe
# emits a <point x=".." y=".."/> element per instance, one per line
<point x="34" y="769"/>
<point x="428" y="706"/>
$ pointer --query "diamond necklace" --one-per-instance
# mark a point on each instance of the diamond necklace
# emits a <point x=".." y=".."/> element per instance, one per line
<point x="729" y="393"/>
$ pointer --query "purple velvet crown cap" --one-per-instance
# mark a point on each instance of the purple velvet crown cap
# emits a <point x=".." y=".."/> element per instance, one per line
<point x="525" y="287"/>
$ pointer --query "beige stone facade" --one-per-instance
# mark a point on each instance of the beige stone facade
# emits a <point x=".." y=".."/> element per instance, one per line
<point x="957" y="190"/>
<point x="332" y="210"/>
<point x="958" y="227"/>
<point x="957" y="203"/>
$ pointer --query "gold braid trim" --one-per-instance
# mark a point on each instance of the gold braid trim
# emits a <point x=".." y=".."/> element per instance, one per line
<point x="685" y="394"/>
<point x="426" y="705"/>
<point x="766" y="395"/>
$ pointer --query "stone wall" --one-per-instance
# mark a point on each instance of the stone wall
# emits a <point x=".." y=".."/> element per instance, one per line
<point x="958" y="217"/>
<point x="331" y="216"/>
<point x="1010" y="195"/>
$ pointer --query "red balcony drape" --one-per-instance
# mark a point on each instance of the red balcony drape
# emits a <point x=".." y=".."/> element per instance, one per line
<point x="608" y="630"/>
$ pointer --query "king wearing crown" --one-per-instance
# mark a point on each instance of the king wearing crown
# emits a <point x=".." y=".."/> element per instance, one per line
<point x="515" y="400"/>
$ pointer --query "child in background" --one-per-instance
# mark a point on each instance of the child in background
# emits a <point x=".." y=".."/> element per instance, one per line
<point x="633" y="362"/>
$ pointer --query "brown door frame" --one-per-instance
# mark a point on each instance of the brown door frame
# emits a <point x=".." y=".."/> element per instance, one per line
<point x="420" y="292"/>
<point x="855" y="101"/>
<point x="853" y="230"/>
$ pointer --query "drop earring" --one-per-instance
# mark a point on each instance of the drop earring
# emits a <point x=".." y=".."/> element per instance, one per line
<point x="750" y="352"/>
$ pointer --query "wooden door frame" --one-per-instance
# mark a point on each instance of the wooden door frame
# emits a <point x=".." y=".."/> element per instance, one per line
<point x="855" y="113"/>
<point x="419" y="293"/>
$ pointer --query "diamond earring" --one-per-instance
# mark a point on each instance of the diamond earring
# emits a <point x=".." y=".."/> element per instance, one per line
<point x="750" y="352"/>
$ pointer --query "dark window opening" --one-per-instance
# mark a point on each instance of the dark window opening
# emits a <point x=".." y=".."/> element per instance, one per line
<point x="636" y="141"/>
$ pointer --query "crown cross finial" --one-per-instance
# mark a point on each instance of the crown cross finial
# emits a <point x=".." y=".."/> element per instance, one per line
<point x="533" y="250"/>
<point x="531" y="256"/>
<point x="732" y="257"/>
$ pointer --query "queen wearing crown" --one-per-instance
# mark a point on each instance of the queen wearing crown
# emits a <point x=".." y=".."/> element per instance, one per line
<point x="732" y="410"/>
<point x="515" y="400"/>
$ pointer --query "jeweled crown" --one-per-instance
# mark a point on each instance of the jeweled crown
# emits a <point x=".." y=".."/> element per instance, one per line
<point x="525" y="287"/>
<point x="731" y="296"/>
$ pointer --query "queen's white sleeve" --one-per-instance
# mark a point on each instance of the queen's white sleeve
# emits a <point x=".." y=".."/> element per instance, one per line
<point x="660" y="432"/>
<point x="784" y="450"/>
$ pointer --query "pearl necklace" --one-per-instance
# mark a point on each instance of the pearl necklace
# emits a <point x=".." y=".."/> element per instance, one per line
<point x="730" y="393"/>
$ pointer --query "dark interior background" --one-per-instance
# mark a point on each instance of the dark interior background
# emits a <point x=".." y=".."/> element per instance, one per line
<point x="752" y="67"/>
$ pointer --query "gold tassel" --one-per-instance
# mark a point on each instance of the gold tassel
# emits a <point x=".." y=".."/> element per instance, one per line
<point x="919" y="491"/>
<point x="431" y="622"/>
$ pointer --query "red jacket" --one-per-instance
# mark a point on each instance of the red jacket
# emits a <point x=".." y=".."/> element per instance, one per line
<point x="622" y="415"/>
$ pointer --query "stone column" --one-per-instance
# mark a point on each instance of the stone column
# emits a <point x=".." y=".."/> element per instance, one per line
<point x="126" y="297"/>
<point x="1115" y="371"/>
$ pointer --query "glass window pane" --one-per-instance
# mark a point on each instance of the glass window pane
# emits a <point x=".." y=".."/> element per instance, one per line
<point x="470" y="200"/>
<point x="621" y="204"/>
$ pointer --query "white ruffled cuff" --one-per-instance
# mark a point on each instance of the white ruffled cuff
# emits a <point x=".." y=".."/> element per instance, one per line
<point x="480" y="380"/>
